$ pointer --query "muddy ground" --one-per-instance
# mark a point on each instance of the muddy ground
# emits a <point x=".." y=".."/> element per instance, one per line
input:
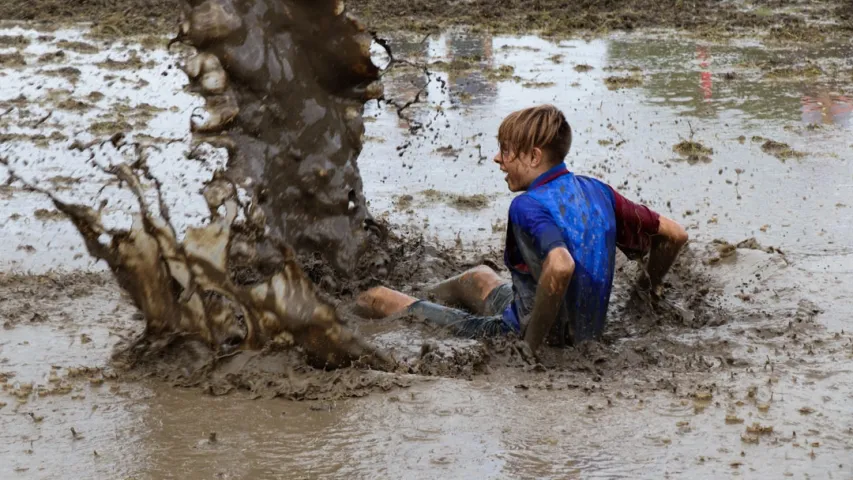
<point x="788" y="20"/>
<point x="745" y="370"/>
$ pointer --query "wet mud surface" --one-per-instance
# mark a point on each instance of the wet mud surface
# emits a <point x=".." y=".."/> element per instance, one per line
<point x="787" y="20"/>
<point x="784" y="21"/>
<point x="744" y="369"/>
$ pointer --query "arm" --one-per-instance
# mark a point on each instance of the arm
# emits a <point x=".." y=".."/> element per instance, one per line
<point x="557" y="272"/>
<point x="669" y="240"/>
<point x="641" y="231"/>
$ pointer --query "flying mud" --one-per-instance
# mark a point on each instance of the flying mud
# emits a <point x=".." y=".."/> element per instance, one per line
<point x="284" y="85"/>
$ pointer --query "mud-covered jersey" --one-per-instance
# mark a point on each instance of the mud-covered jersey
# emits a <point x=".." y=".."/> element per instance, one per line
<point x="588" y="218"/>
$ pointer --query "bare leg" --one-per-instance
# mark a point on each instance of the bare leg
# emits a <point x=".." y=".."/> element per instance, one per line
<point x="469" y="289"/>
<point x="380" y="302"/>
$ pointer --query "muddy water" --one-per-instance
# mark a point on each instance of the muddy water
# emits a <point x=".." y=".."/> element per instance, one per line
<point x="659" y="408"/>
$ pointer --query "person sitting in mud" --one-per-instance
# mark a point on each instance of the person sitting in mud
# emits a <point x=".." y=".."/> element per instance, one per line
<point x="561" y="241"/>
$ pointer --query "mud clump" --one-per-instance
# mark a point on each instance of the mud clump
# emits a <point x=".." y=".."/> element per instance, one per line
<point x="693" y="151"/>
<point x="724" y="249"/>
<point x="73" y="105"/>
<point x="14" y="41"/>
<point x="14" y="59"/>
<point x="476" y="201"/>
<point x="502" y="73"/>
<point x="133" y="62"/>
<point x="51" y="57"/>
<point x="77" y="46"/>
<point x="403" y="202"/>
<point x="473" y="202"/>
<point x="109" y="127"/>
<point x="780" y="150"/>
<point x="618" y="83"/>
<point x="533" y="84"/>
<point x="72" y="74"/>
<point x="45" y="215"/>
<point x="40" y="140"/>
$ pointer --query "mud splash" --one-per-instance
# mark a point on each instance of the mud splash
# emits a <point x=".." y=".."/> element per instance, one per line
<point x="284" y="85"/>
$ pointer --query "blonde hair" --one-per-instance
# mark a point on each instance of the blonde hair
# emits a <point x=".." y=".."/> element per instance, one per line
<point x="543" y="127"/>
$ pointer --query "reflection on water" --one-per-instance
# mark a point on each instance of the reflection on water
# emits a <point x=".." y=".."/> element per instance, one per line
<point x="822" y="107"/>
<point x="729" y="77"/>
<point x="694" y="79"/>
<point x="471" y="85"/>
<point x="706" y="81"/>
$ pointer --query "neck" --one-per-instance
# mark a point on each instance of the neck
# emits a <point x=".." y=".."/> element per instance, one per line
<point x="540" y="171"/>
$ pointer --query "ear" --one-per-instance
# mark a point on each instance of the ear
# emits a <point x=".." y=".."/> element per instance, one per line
<point x="537" y="156"/>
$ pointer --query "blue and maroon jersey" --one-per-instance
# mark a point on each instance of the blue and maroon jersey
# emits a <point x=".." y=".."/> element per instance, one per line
<point x="590" y="219"/>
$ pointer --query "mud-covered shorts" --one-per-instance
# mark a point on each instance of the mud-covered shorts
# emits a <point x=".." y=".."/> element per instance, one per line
<point x="495" y="321"/>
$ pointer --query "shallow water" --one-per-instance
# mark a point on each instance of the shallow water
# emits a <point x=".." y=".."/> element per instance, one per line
<point x="511" y="423"/>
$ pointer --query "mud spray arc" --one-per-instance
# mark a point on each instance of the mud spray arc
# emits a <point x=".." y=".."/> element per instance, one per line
<point x="284" y="85"/>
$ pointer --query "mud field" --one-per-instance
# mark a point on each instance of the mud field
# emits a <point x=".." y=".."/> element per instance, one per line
<point x="733" y="118"/>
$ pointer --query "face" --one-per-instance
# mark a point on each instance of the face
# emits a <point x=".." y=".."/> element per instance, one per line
<point x="520" y="169"/>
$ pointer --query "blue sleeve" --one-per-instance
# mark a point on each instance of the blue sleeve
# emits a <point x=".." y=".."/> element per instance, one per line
<point x="529" y="217"/>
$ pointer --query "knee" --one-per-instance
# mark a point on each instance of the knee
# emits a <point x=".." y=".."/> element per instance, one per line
<point x="481" y="273"/>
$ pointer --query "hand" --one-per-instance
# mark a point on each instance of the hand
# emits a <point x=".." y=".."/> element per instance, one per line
<point x="644" y="287"/>
<point x="526" y="353"/>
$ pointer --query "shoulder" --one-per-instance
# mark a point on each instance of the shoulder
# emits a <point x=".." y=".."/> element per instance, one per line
<point x="524" y="206"/>
<point x="529" y="214"/>
<point x="606" y="189"/>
